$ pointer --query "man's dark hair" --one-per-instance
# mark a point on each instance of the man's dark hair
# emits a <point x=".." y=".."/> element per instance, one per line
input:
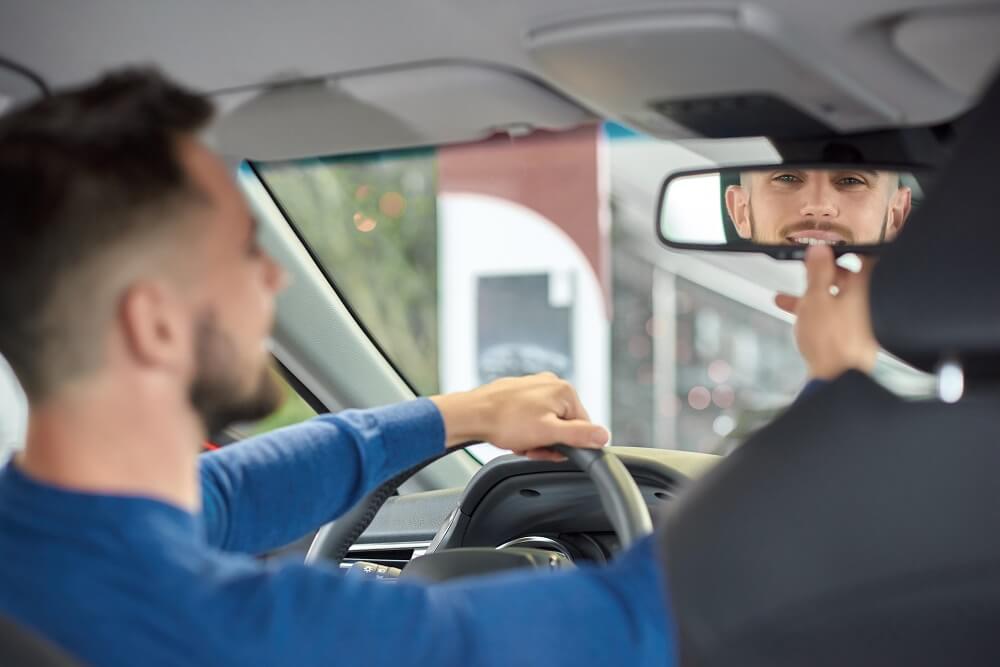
<point x="84" y="174"/>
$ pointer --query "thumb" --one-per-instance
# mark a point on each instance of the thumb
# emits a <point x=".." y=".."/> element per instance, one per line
<point x="786" y="302"/>
<point x="821" y="269"/>
<point x="578" y="433"/>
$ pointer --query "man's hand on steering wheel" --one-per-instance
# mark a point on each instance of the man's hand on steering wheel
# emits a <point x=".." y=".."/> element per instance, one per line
<point x="523" y="415"/>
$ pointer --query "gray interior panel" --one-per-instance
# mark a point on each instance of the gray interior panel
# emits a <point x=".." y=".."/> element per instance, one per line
<point x="412" y="518"/>
<point x="959" y="48"/>
<point x="623" y="65"/>
<point x="871" y="58"/>
<point x="419" y="105"/>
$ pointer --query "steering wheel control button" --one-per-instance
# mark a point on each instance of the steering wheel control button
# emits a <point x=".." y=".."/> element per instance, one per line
<point x="559" y="562"/>
<point x="374" y="571"/>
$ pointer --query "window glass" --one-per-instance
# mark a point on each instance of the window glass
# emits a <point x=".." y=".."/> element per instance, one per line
<point x="515" y="255"/>
<point x="13" y="413"/>
<point x="371" y="221"/>
<point x="294" y="409"/>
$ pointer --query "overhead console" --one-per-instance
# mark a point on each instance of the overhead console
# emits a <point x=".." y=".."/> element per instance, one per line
<point x="742" y="72"/>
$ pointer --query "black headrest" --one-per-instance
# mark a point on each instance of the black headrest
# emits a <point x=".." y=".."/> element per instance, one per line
<point x="934" y="291"/>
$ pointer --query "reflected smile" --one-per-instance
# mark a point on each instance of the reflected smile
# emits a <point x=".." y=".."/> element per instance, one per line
<point x="816" y="237"/>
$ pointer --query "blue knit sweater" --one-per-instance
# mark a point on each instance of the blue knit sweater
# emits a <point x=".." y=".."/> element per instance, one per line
<point x="118" y="580"/>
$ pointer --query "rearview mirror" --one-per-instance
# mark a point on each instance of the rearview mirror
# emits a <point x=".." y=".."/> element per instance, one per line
<point x="782" y="209"/>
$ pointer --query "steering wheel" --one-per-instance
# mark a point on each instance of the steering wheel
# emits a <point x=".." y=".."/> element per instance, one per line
<point x="620" y="498"/>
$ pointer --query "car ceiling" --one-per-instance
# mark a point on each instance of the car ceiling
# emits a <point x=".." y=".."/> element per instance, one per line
<point x="878" y="63"/>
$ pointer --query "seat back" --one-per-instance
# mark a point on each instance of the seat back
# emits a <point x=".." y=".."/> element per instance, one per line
<point x="858" y="528"/>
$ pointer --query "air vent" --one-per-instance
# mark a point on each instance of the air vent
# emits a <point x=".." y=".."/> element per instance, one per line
<point x="741" y="116"/>
<point x="396" y="554"/>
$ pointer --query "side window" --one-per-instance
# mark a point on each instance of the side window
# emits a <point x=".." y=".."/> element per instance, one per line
<point x="294" y="409"/>
<point x="13" y="413"/>
<point x="379" y="210"/>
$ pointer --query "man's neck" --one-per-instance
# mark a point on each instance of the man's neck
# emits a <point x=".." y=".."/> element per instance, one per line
<point x="116" y="442"/>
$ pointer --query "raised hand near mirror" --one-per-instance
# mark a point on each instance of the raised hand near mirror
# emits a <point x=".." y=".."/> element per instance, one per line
<point x="833" y="328"/>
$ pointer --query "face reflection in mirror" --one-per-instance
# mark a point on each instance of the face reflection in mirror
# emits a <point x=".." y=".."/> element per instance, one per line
<point x="818" y="206"/>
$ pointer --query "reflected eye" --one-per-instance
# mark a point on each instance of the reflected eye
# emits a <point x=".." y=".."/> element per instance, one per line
<point x="786" y="178"/>
<point x="848" y="181"/>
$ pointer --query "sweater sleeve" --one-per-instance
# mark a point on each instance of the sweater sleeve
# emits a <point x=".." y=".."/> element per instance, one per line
<point x="303" y="615"/>
<point x="267" y="491"/>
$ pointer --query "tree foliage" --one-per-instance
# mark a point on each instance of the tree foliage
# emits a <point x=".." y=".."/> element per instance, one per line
<point x="372" y="221"/>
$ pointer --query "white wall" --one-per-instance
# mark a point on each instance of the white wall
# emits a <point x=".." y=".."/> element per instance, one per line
<point x="481" y="235"/>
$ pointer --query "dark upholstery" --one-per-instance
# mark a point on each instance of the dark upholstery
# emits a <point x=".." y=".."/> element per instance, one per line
<point x="858" y="528"/>
<point x="935" y="290"/>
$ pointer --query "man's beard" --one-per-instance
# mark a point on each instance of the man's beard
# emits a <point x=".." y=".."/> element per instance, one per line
<point x="217" y="393"/>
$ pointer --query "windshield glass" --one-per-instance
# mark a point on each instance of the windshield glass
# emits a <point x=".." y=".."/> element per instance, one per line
<point x="510" y="256"/>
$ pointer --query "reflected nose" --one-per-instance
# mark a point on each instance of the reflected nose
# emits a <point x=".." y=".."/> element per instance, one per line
<point x="819" y="202"/>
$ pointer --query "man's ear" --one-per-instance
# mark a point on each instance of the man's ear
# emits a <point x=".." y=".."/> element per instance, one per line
<point x="738" y="207"/>
<point x="899" y="210"/>
<point x="154" y="325"/>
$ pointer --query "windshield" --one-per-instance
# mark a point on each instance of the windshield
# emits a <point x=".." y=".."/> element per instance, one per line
<point x="510" y="256"/>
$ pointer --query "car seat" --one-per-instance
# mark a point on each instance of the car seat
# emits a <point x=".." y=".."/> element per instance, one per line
<point x="859" y="528"/>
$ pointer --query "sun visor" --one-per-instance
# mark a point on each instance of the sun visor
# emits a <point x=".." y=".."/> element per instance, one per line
<point x="386" y="109"/>
<point x="934" y="291"/>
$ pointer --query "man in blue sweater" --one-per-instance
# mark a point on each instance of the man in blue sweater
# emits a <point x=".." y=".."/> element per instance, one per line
<point x="135" y="307"/>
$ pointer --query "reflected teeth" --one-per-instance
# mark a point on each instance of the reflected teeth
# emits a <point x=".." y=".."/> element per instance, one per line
<point x="814" y="242"/>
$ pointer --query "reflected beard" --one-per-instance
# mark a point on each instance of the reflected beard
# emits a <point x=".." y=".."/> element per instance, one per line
<point x="848" y="234"/>
<point x="217" y="393"/>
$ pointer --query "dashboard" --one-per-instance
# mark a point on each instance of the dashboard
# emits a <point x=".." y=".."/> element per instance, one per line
<point x="516" y="502"/>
